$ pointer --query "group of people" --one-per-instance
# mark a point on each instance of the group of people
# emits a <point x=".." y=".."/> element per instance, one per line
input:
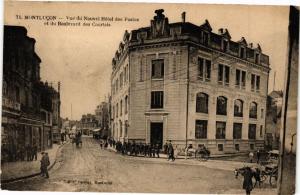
<point x="143" y="149"/>
<point x="19" y="152"/>
<point x="258" y="156"/>
<point x="134" y="149"/>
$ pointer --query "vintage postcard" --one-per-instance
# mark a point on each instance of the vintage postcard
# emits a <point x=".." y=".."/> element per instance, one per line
<point x="149" y="98"/>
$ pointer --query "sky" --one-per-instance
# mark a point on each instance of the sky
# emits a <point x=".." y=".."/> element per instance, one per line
<point x="80" y="57"/>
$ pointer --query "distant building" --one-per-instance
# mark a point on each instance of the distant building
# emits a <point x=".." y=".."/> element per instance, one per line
<point x="102" y="117"/>
<point x="185" y="83"/>
<point x="273" y="119"/>
<point x="24" y="103"/>
<point x="88" y="123"/>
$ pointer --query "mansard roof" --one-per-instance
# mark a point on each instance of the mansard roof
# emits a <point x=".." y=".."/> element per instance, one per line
<point x="161" y="29"/>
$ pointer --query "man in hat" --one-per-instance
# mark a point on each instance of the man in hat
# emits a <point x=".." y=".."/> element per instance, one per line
<point x="45" y="162"/>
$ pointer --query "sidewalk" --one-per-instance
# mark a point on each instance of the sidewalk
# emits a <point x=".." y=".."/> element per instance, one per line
<point x="11" y="171"/>
<point x="211" y="163"/>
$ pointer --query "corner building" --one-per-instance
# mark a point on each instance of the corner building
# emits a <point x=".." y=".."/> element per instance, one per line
<point x="185" y="83"/>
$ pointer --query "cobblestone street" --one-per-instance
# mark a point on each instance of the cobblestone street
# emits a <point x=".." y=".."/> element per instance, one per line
<point x="91" y="169"/>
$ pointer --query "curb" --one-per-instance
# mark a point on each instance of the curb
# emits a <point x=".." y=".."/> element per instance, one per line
<point x="183" y="157"/>
<point x="34" y="174"/>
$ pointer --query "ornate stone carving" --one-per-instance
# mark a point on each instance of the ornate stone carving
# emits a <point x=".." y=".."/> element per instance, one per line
<point x="160" y="24"/>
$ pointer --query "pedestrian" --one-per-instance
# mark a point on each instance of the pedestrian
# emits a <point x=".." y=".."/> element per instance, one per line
<point x="176" y="151"/>
<point x="171" y="152"/>
<point x="251" y="155"/>
<point x="146" y="150"/>
<point x="247" y="184"/>
<point x="166" y="148"/>
<point x="62" y="137"/>
<point x="142" y="148"/>
<point x="28" y="152"/>
<point x="258" y="156"/>
<point x="45" y="162"/>
<point x="101" y="144"/>
<point x="157" y="150"/>
<point x="34" y="152"/>
<point x="150" y="150"/>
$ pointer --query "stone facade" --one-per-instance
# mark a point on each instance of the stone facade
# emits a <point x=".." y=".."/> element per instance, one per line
<point x="24" y="97"/>
<point x="88" y="123"/>
<point x="181" y="82"/>
<point x="102" y="118"/>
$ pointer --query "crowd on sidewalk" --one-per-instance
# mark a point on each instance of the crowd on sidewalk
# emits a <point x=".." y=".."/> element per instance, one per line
<point x="27" y="153"/>
<point x="141" y="149"/>
<point x="20" y="169"/>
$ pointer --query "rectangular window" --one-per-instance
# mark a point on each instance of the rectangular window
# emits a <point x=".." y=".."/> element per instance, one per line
<point x="207" y="70"/>
<point x="237" y="147"/>
<point x="126" y="104"/>
<point x="225" y="45"/>
<point x="117" y="110"/>
<point x="223" y="75"/>
<point x="262" y="113"/>
<point x="204" y="69"/>
<point x="121" y="80"/>
<point x="205" y="38"/>
<point x="157" y="99"/>
<point x="237" y="77"/>
<point x="237" y="130"/>
<point x="220" y="74"/>
<point x="221" y="130"/>
<point x="261" y="131"/>
<point x="242" y="52"/>
<point x="252" y="82"/>
<point x="201" y="67"/>
<point x="240" y="79"/>
<point x="252" y="131"/>
<point x="257" y="83"/>
<point x="257" y="58"/>
<point x="157" y="69"/>
<point x="220" y="147"/>
<point x="121" y="107"/>
<point x="243" y="79"/>
<point x="201" y="129"/>
<point x="226" y="75"/>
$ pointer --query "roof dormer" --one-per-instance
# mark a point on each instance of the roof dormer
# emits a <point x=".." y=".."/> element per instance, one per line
<point x="206" y="26"/>
<point x="242" y="48"/>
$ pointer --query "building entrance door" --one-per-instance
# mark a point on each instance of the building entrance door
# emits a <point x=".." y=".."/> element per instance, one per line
<point x="156" y="136"/>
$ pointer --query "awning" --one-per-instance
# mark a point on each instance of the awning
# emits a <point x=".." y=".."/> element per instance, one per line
<point x="96" y="130"/>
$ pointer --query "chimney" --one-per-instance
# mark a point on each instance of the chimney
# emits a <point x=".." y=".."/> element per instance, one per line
<point x="183" y="17"/>
<point x="221" y="31"/>
<point x="58" y="86"/>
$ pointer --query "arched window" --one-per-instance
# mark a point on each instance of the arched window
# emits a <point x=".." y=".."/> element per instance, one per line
<point x="202" y="103"/>
<point x="253" y="110"/>
<point x="238" y="108"/>
<point x="222" y="105"/>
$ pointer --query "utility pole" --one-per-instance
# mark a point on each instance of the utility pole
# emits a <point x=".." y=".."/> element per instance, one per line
<point x="274" y="80"/>
<point x="187" y="97"/>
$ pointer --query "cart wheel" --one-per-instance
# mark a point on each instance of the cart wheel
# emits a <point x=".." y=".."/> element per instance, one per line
<point x="273" y="180"/>
<point x="263" y="177"/>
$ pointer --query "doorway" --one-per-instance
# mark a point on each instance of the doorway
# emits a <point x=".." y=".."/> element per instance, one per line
<point x="156" y="134"/>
